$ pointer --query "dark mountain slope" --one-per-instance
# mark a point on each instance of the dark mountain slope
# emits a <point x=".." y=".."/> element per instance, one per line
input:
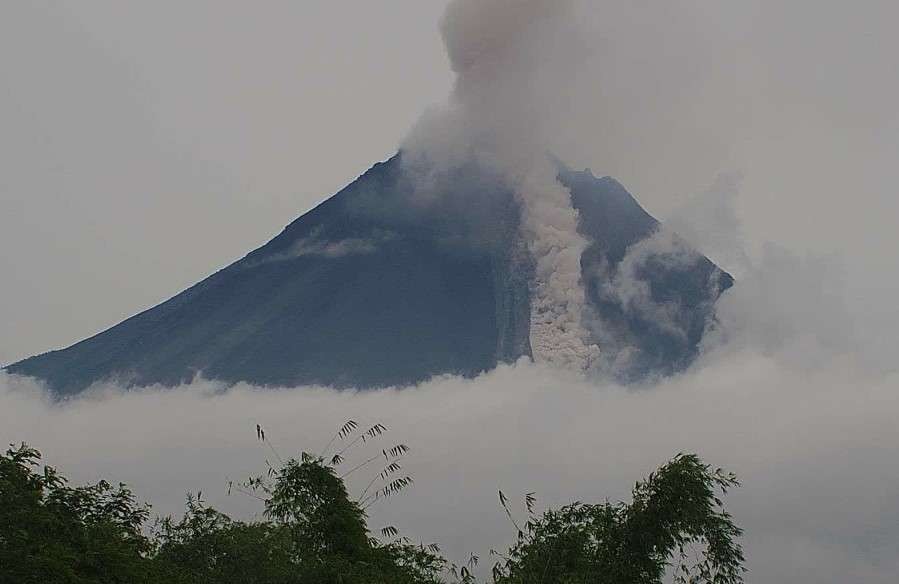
<point x="377" y="287"/>
<point x="652" y="295"/>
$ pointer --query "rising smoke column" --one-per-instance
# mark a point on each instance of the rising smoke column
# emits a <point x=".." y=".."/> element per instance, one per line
<point x="512" y="59"/>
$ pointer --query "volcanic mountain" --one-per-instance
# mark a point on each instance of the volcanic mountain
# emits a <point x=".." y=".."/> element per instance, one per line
<point x="389" y="283"/>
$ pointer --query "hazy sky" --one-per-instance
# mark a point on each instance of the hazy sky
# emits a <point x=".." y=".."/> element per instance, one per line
<point x="144" y="146"/>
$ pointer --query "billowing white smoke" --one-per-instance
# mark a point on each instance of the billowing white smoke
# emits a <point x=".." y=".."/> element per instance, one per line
<point x="558" y="303"/>
<point x="504" y="53"/>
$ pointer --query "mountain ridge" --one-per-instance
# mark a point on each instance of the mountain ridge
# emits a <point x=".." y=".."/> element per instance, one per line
<point x="377" y="286"/>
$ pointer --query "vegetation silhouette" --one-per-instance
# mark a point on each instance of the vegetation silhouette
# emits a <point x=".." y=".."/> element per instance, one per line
<point x="314" y="531"/>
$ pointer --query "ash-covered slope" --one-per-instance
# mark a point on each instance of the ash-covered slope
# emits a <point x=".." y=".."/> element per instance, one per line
<point x="380" y="285"/>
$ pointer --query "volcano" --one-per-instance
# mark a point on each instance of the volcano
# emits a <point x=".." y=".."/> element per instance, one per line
<point x="388" y="284"/>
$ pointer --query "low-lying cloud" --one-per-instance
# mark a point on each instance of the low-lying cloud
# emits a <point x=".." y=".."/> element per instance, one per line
<point x="316" y="245"/>
<point x="807" y="424"/>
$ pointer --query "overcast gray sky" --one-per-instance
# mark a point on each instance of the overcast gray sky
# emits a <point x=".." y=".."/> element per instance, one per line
<point x="145" y="145"/>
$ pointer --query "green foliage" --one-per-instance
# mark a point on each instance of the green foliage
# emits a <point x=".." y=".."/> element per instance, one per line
<point x="312" y="502"/>
<point x="313" y="531"/>
<point x="50" y="532"/>
<point x="674" y="511"/>
<point x="207" y="547"/>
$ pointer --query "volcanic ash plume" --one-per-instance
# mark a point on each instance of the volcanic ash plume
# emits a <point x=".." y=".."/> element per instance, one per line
<point x="510" y="58"/>
<point x="558" y="302"/>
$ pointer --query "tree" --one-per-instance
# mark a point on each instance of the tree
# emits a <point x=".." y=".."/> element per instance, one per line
<point x="314" y="532"/>
<point x="208" y="547"/>
<point x="674" y="511"/>
<point x="51" y="532"/>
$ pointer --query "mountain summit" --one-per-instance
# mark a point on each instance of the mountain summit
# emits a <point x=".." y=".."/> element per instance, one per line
<point x="388" y="283"/>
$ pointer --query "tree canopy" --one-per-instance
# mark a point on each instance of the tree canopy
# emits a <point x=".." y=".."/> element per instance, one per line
<point x="313" y="531"/>
<point x="674" y="511"/>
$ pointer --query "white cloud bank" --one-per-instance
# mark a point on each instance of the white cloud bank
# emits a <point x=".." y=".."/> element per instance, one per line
<point x="808" y="424"/>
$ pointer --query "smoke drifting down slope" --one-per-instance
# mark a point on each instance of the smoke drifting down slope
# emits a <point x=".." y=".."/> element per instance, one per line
<point x="497" y="49"/>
